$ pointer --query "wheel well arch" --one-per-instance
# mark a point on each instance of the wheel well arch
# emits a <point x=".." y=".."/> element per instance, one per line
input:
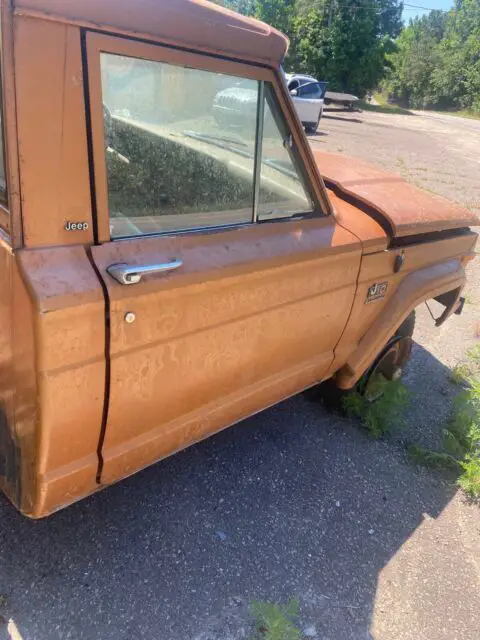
<point x="443" y="282"/>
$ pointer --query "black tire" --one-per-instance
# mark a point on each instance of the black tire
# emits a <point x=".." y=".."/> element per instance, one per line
<point x="331" y="396"/>
<point x="393" y="357"/>
<point x="406" y="329"/>
<point x="311" y="127"/>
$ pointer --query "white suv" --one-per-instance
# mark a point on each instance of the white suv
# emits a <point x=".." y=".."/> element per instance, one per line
<point x="308" y="96"/>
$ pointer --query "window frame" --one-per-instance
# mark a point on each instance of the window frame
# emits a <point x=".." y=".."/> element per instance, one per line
<point x="98" y="43"/>
<point x="4" y="205"/>
<point x="269" y="91"/>
<point x="5" y="222"/>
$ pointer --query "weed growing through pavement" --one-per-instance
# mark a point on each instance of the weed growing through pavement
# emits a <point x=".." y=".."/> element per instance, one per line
<point x="463" y="372"/>
<point x="384" y="414"/>
<point x="460" y="373"/>
<point x="461" y="437"/>
<point x="275" y="621"/>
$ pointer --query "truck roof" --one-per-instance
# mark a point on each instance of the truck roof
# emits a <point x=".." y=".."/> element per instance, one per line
<point x="193" y="24"/>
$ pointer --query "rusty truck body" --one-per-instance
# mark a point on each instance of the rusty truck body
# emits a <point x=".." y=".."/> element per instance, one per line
<point x="171" y="262"/>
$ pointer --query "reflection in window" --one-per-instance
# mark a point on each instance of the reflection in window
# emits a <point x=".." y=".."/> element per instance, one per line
<point x="180" y="146"/>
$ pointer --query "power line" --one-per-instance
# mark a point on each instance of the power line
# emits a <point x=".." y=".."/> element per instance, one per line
<point x="367" y="5"/>
<point x="416" y="6"/>
<point x="380" y="10"/>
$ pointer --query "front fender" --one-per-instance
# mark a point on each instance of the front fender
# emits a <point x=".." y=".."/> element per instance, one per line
<point x="415" y="288"/>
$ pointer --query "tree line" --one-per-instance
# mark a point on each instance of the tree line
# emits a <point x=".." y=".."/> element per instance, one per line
<point x="344" y="42"/>
<point x="361" y="45"/>
<point x="436" y="61"/>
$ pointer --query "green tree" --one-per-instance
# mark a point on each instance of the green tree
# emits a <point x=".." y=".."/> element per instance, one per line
<point x="278" y="13"/>
<point x="414" y="60"/>
<point x="247" y="7"/>
<point x="436" y="62"/>
<point x="342" y="41"/>
<point x="458" y="78"/>
<point x="346" y="42"/>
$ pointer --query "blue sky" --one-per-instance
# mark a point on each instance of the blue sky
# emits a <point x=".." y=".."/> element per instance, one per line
<point x="409" y="12"/>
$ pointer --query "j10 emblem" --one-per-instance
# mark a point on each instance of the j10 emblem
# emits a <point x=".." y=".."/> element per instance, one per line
<point x="376" y="292"/>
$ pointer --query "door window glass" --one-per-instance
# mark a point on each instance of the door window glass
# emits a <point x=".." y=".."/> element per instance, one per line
<point x="180" y="146"/>
<point x="314" y="90"/>
<point x="282" y="187"/>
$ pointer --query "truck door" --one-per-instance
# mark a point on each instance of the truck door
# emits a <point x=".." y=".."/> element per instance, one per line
<point x="227" y="285"/>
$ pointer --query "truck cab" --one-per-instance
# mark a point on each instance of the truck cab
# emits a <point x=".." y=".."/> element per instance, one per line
<point x="169" y="267"/>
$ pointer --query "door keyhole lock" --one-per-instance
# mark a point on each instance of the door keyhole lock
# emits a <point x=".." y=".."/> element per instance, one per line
<point x="130" y="317"/>
<point x="399" y="262"/>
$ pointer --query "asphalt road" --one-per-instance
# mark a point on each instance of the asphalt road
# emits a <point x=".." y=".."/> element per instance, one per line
<point x="295" y="502"/>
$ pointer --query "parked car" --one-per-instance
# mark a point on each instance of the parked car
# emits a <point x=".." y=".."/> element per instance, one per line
<point x="235" y="105"/>
<point x="308" y="97"/>
<point x="346" y="100"/>
<point x="165" y="274"/>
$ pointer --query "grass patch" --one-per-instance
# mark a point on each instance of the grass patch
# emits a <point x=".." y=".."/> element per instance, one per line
<point x="474" y="356"/>
<point x="384" y="104"/>
<point x="469" y="481"/>
<point x="380" y="98"/>
<point x="461" y="437"/>
<point x="433" y="459"/>
<point x="384" y="108"/>
<point x="468" y="370"/>
<point x="380" y="417"/>
<point x="461" y="373"/>
<point x="461" y="113"/>
<point x="275" y="621"/>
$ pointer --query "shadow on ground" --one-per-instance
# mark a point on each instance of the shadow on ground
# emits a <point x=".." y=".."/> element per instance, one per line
<point x="292" y="502"/>
<point x="317" y="134"/>
<point x="342" y="118"/>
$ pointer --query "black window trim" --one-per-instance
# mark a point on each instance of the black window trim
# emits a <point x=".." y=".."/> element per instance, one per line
<point x="257" y="169"/>
<point x="4" y="199"/>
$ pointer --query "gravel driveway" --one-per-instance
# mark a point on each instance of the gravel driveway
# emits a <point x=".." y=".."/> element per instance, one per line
<point x="438" y="152"/>
<point x="292" y="502"/>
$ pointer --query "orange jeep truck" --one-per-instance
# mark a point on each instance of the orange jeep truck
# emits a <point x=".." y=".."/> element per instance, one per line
<point x="174" y="256"/>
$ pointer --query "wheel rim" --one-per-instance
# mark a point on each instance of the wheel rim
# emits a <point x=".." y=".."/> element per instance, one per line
<point x="388" y="368"/>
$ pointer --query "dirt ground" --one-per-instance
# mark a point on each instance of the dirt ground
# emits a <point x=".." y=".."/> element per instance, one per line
<point x="437" y="152"/>
<point x="294" y="502"/>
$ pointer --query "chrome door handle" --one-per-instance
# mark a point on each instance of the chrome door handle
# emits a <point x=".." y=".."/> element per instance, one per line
<point x="126" y="274"/>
